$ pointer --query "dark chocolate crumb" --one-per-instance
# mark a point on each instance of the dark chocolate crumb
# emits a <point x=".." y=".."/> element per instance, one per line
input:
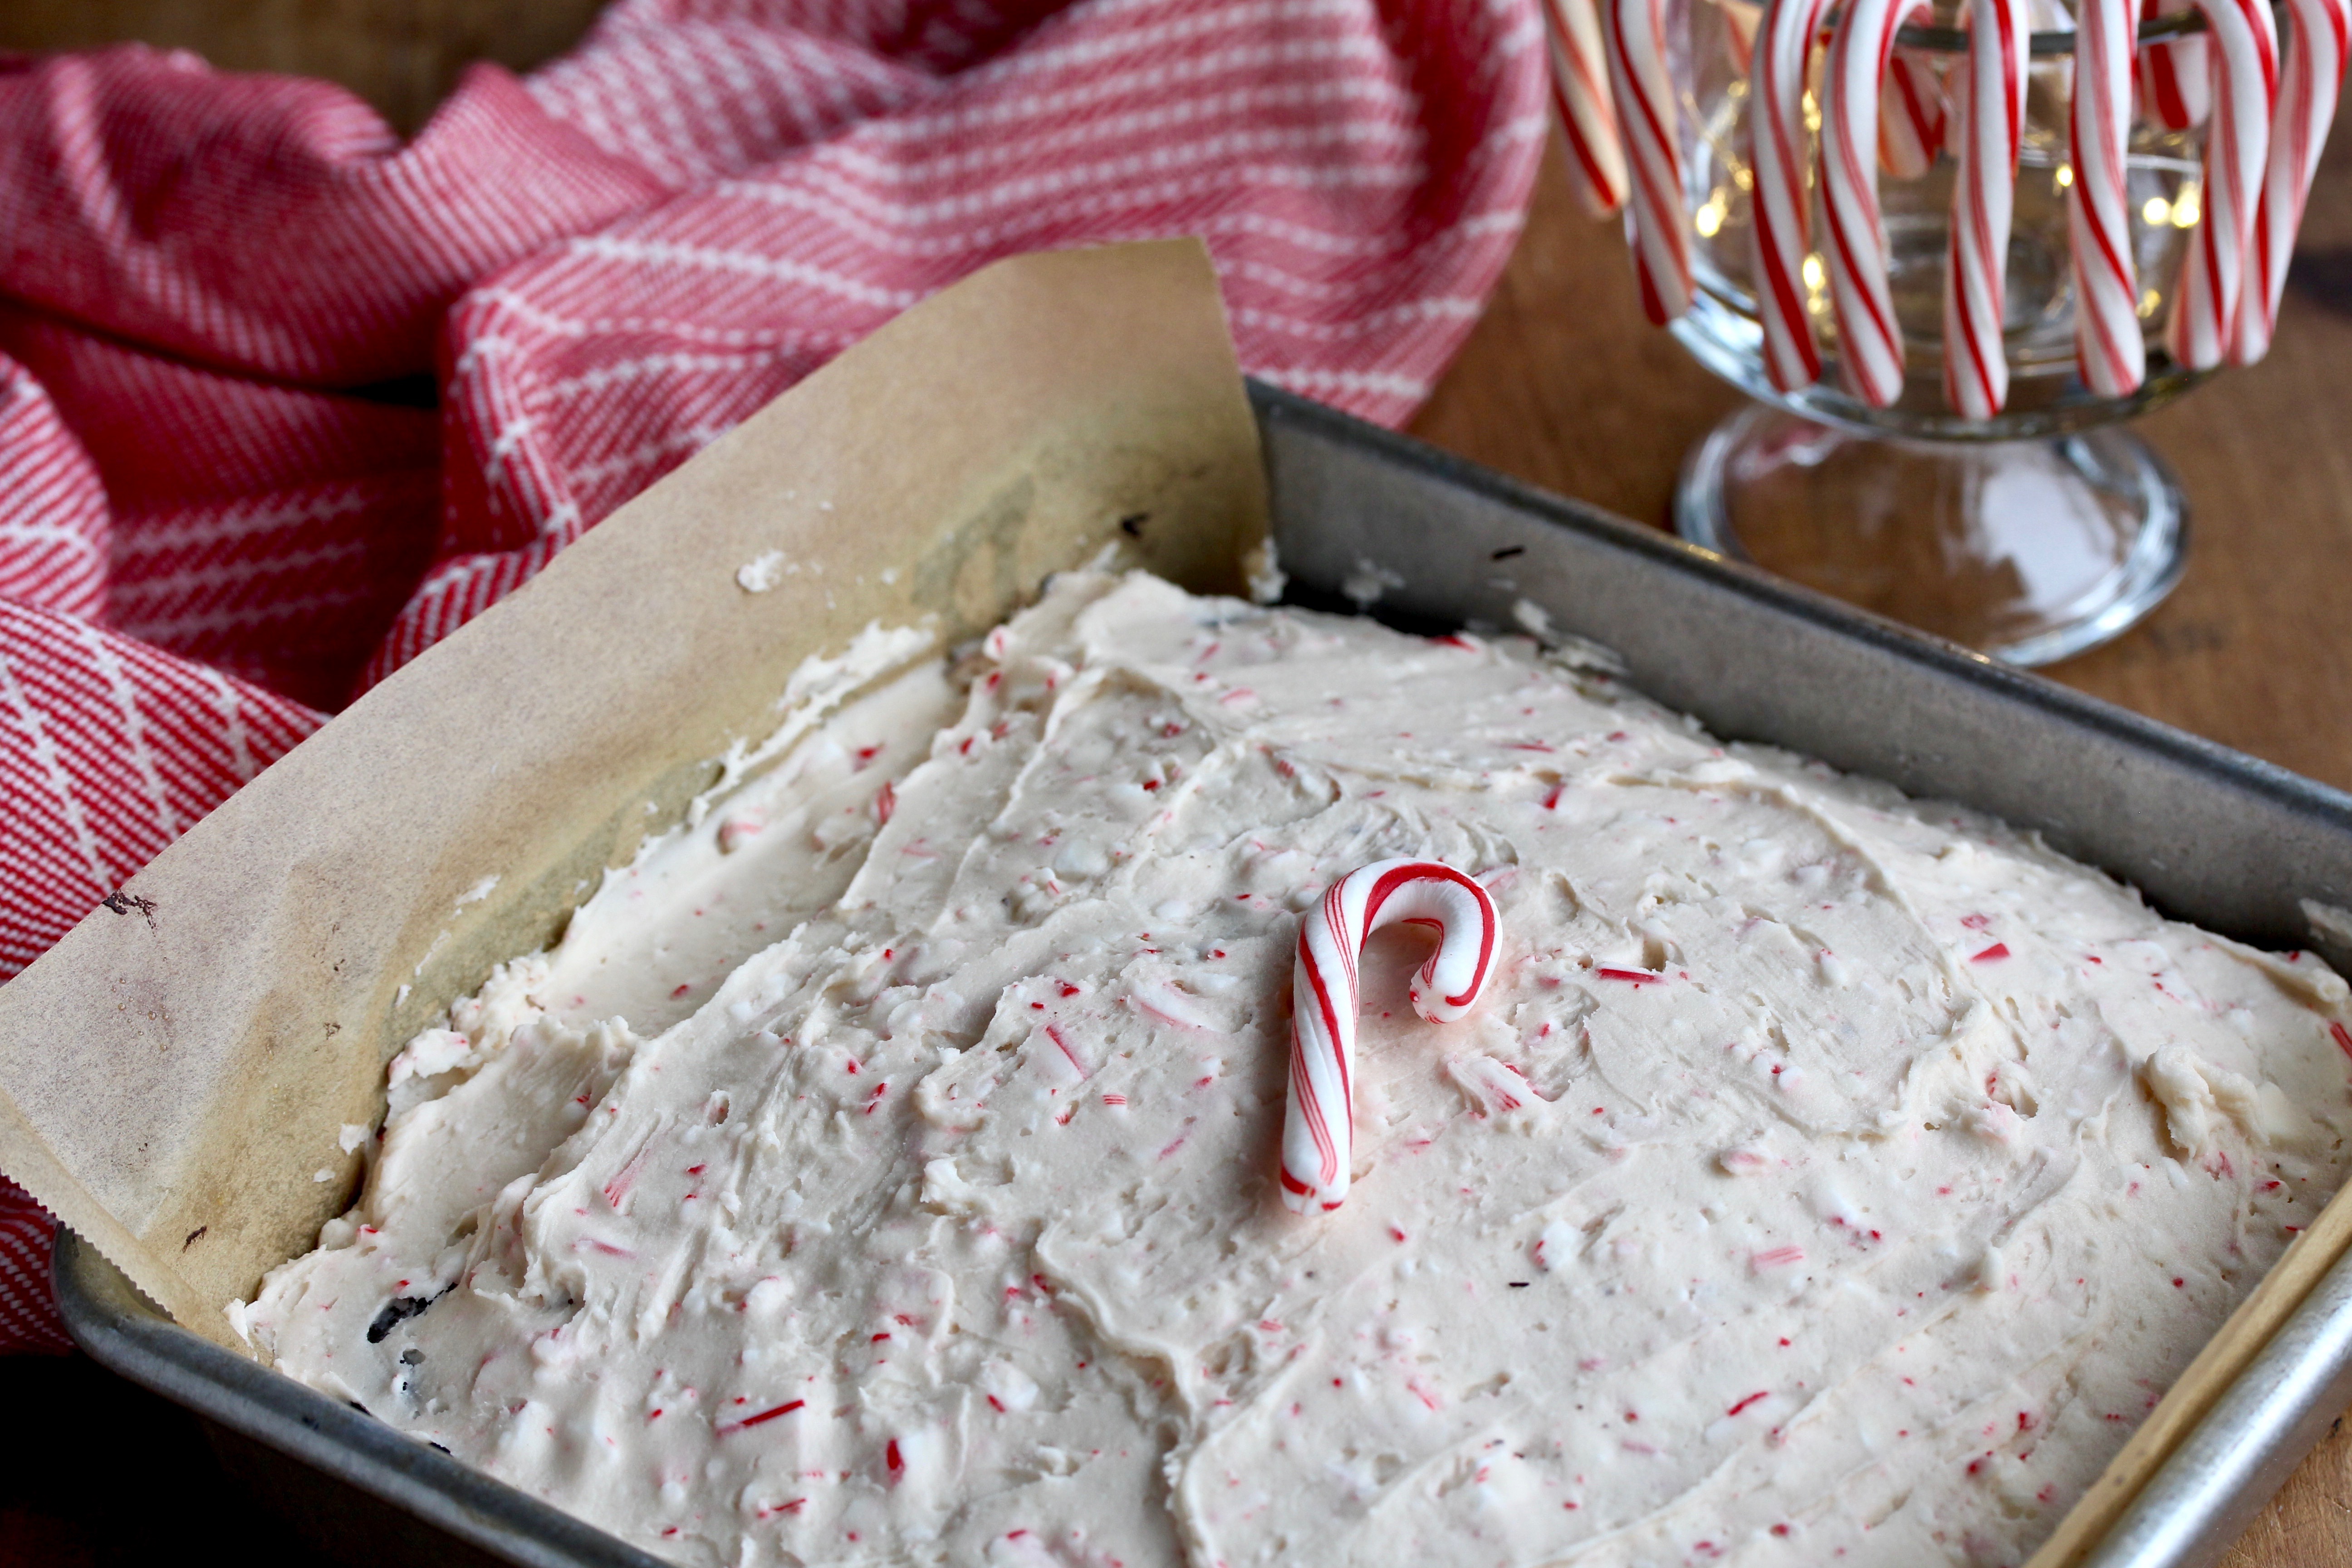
<point x="396" y="1311"/>
<point x="122" y="903"/>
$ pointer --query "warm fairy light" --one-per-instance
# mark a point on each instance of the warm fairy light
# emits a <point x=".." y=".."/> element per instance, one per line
<point x="2158" y="212"/>
<point x="1814" y="274"/>
<point x="2066" y="176"/>
<point x="1709" y="219"/>
<point x="2147" y="303"/>
<point x="1745" y="180"/>
<point x="2185" y="210"/>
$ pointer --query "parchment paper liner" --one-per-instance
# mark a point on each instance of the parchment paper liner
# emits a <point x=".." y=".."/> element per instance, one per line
<point x="172" y="1078"/>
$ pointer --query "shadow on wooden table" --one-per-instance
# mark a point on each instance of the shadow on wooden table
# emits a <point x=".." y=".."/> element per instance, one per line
<point x="102" y="1473"/>
<point x="402" y="56"/>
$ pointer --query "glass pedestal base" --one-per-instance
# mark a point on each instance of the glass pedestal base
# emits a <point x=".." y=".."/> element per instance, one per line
<point x="2027" y="551"/>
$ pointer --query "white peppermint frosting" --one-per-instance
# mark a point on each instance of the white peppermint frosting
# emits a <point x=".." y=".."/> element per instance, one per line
<point x="882" y="1169"/>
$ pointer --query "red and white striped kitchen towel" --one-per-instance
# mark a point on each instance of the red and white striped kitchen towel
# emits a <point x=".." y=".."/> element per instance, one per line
<point x="282" y="399"/>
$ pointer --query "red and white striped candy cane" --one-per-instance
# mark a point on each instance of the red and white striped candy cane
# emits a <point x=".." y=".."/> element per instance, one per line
<point x="1870" y="350"/>
<point x="1912" y="116"/>
<point x="2109" y="346"/>
<point x="2313" y="73"/>
<point x="1580" y="91"/>
<point x="2237" y="149"/>
<point x="1778" y="199"/>
<point x="1317" y="1123"/>
<point x="1656" y="227"/>
<point x="2176" y="79"/>
<point x="1993" y="126"/>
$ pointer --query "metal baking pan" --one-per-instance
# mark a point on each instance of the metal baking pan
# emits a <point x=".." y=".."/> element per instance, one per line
<point x="2209" y="835"/>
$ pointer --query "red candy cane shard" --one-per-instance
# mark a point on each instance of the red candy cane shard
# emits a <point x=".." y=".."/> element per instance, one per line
<point x="1992" y="122"/>
<point x="1580" y="91"/>
<point x="1656" y="227"/>
<point x="1318" y="1125"/>
<point x="2109" y="346"/>
<point x="2237" y="151"/>
<point x="2311" y="74"/>
<point x="1782" y="203"/>
<point x="1870" y="344"/>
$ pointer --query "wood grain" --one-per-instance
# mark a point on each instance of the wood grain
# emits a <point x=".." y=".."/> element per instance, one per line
<point x="1562" y="385"/>
<point x="402" y="55"/>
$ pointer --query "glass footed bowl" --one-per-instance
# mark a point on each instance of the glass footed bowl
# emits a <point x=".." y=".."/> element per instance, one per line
<point x="2029" y="536"/>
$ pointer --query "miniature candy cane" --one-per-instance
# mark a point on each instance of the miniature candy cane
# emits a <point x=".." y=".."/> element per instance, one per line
<point x="1656" y="224"/>
<point x="1317" y="1124"/>
<point x="1776" y="156"/>
<point x="1870" y="344"/>
<point x="2237" y="147"/>
<point x="1580" y="91"/>
<point x="2175" y="78"/>
<point x="1913" y="113"/>
<point x="2314" y="72"/>
<point x="2109" y="349"/>
<point x="1992" y="122"/>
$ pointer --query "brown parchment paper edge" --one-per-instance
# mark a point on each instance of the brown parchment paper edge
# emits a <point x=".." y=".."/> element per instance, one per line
<point x="173" y="1079"/>
<point x="2232" y="1349"/>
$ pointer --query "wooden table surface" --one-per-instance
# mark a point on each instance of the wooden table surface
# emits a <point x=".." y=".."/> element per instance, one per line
<point x="1563" y="386"/>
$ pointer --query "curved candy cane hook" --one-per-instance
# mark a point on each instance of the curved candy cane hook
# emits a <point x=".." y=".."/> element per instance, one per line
<point x="1317" y="1124"/>
<point x="1588" y="115"/>
<point x="2236" y="153"/>
<point x="1642" y="86"/>
<point x="1870" y="341"/>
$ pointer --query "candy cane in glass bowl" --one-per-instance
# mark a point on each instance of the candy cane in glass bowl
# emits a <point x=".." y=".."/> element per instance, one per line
<point x="1950" y="246"/>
